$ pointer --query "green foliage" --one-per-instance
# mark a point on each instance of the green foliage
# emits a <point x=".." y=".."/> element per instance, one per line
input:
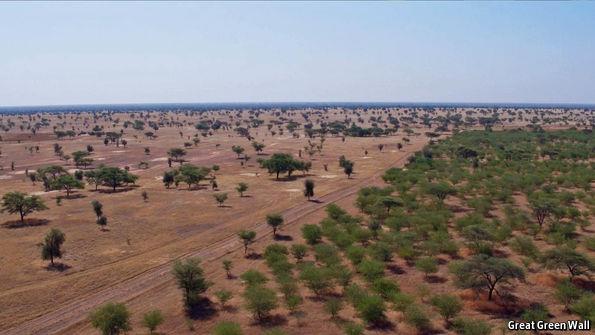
<point x="274" y="220"/>
<point x="224" y="296"/>
<point x="427" y="265"/>
<point x="524" y="246"/>
<point x="111" y="319"/>
<point x="152" y="320"/>
<point x="471" y="327"/>
<point x="316" y="279"/>
<point x="333" y="306"/>
<point x="281" y="163"/>
<point x="371" y="308"/>
<point x="241" y="188"/>
<point x="417" y="317"/>
<point x="248" y="237"/>
<point x="568" y="259"/>
<point x="535" y="312"/>
<point x="447" y="305"/>
<point x="585" y="307"/>
<point x="21" y="203"/>
<point x="227" y="328"/>
<point x="260" y="301"/>
<point x="371" y="269"/>
<point x="253" y="278"/>
<point x="312" y="233"/>
<point x="352" y="328"/>
<point x="52" y="245"/>
<point x="190" y="279"/>
<point x="299" y="251"/>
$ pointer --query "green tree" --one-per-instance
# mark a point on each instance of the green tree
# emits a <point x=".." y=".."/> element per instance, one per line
<point x="21" y="203"/>
<point x="220" y="198"/>
<point x="227" y="328"/>
<point x="102" y="222"/>
<point x="371" y="309"/>
<point x="227" y="266"/>
<point x="168" y="178"/>
<point x="152" y="320"/>
<point x="114" y="177"/>
<point x="447" y="305"/>
<point x="333" y="306"/>
<point x="440" y="190"/>
<point x="274" y="220"/>
<point x="308" y="188"/>
<point x="238" y="150"/>
<point x="253" y="277"/>
<point x="258" y="147"/>
<point x="241" y="188"/>
<point x="190" y="278"/>
<point x="260" y="301"/>
<point x="97" y="208"/>
<point x="566" y="258"/>
<point x="567" y="293"/>
<point x="299" y="251"/>
<point x="247" y="237"/>
<point x="111" y="319"/>
<point x="68" y="183"/>
<point x="312" y="233"/>
<point x="427" y="265"/>
<point x="52" y="245"/>
<point x="177" y="154"/>
<point x="417" y="317"/>
<point x="224" y="296"/>
<point x="482" y="271"/>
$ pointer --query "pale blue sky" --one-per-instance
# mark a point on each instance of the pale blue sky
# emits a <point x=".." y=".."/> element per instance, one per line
<point x="73" y="53"/>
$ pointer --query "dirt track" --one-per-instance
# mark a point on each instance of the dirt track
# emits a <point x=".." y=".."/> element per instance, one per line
<point x="78" y="310"/>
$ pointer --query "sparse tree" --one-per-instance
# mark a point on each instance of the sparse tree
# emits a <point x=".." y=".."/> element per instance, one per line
<point x="191" y="280"/>
<point x="274" y="220"/>
<point x="241" y="188"/>
<point x="247" y="237"/>
<point x="227" y="266"/>
<point x="152" y="320"/>
<point x="21" y="203"/>
<point x="308" y="188"/>
<point x="571" y="260"/>
<point x="220" y="198"/>
<point x="52" y="245"/>
<point x="111" y="319"/>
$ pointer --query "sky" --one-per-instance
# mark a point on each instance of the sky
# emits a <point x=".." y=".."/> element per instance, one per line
<point x="166" y="52"/>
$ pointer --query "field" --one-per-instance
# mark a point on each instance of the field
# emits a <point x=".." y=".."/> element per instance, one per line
<point x="430" y="190"/>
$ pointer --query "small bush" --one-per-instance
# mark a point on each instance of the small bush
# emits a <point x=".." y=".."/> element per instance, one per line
<point x="227" y="328"/>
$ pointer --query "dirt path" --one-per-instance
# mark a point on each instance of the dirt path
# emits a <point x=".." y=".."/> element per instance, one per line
<point x="78" y="310"/>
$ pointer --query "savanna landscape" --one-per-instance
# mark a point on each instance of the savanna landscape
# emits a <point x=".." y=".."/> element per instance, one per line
<point x="342" y="219"/>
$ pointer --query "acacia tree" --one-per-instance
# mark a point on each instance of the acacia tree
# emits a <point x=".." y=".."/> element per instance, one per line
<point x="177" y="154"/>
<point x="542" y="207"/>
<point x="274" y="220"/>
<point x="220" y="198"/>
<point x="241" y="188"/>
<point x="564" y="257"/>
<point x="247" y="237"/>
<point x="482" y="271"/>
<point x="258" y="147"/>
<point x="111" y="319"/>
<point x="21" y="203"/>
<point x="238" y="150"/>
<point x="52" y="245"/>
<point x="114" y="176"/>
<point x="440" y="190"/>
<point x="191" y="279"/>
<point x="68" y="183"/>
<point x="308" y="188"/>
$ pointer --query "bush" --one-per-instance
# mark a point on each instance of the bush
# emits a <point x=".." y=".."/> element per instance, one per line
<point x="385" y="287"/>
<point x="427" y="265"/>
<point x="333" y="306"/>
<point x="524" y="246"/>
<point x="316" y="279"/>
<point x="584" y="307"/>
<point x="416" y="317"/>
<point x="152" y="320"/>
<point x="299" y="251"/>
<point x="471" y="327"/>
<point x="448" y="305"/>
<point x="356" y="254"/>
<point x="371" y="269"/>
<point x="111" y="319"/>
<point x="312" y="233"/>
<point x="260" y="301"/>
<point x="253" y="278"/>
<point x="566" y="293"/>
<point x="353" y="328"/>
<point x="371" y="309"/>
<point x="227" y="328"/>
<point x="535" y="313"/>
<point x="401" y="301"/>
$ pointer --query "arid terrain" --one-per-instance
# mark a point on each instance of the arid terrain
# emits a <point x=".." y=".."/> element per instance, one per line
<point x="150" y="225"/>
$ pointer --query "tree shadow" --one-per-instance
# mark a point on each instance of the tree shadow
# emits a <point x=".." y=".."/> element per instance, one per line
<point x="384" y="325"/>
<point x="73" y="196"/>
<point x="317" y="201"/>
<point x="394" y="268"/>
<point x="432" y="279"/>
<point x="26" y="223"/>
<point x="272" y="321"/>
<point x="280" y="237"/>
<point x="117" y="190"/>
<point x="253" y="256"/>
<point x="58" y="267"/>
<point x="203" y="309"/>
<point x="585" y="284"/>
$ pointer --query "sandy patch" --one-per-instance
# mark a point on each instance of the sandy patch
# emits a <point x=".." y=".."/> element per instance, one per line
<point x="367" y="157"/>
<point x="43" y="192"/>
<point x="160" y="159"/>
<point x="17" y="172"/>
<point x="248" y="174"/>
<point x="329" y="176"/>
<point x="100" y="158"/>
<point x="5" y="177"/>
<point x="293" y="190"/>
<point x="72" y="170"/>
<point x="273" y="144"/>
<point x="119" y="151"/>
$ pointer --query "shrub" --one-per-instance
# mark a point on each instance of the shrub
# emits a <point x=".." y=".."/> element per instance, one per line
<point x="385" y="287"/>
<point x="584" y="307"/>
<point x="316" y="279"/>
<point x="356" y="254"/>
<point x="352" y="328"/>
<point x="401" y="301"/>
<point x="471" y="327"/>
<point x="227" y="328"/>
<point x="448" y="305"/>
<point x="253" y="278"/>
<point x="523" y="245"/>
<point x="427" y="265"/>
<point x="567" y="293"/>
<point x="416" y="317"/>
<point x="152" y="320"/>
<point x="260" y="301"/>
<point x="371" y="309"/>
<point x="299" y="251"/>
<point x="312" y="233"/>
<point x="333" y="306"/>
<point x="111" y="319"/>
<point x="371" y="269"/>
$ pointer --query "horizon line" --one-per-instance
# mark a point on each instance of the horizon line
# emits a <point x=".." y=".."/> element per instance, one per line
<point x="313" y="103"/>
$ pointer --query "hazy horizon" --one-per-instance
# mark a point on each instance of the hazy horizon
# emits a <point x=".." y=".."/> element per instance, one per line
<point x="385" y="52"/>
